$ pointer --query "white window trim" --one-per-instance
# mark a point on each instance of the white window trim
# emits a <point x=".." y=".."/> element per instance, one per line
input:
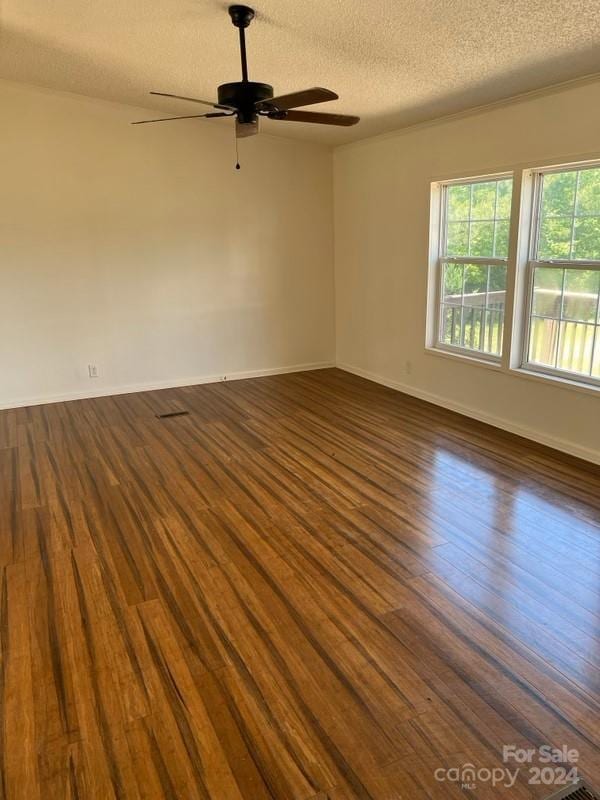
<point x="437" y="260"/>
<point x="535" y="176"/>
<point x="516" y="319"/>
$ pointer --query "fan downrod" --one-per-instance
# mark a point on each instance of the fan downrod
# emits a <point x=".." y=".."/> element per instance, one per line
<point x="241" y="16"/>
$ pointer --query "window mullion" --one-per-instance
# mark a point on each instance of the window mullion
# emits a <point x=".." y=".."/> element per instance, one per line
<point x="560" y="317"/>
<point x="470" y="215"/>
<point x="443" y="247"/>
<point x="495" y="219"/>
<point x="474" y="260"/>
<point x="595" y="337"/>
<point x="574" y="217"/>
<point x="462" y="305"/>
<point x="484" y="313"/>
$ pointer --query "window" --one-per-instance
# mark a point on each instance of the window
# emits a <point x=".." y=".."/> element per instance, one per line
<point x="548" y="291"/>
<point x="563" y="330"/>
<point x="472" y="266"/>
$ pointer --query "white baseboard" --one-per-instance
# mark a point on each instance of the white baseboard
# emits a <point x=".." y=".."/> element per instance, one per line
<point x="586" y="453"/>
<point x="168" y="384"/>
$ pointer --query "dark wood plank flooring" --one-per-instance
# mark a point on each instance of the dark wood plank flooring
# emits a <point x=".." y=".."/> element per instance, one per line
<point x="310" y="587"/>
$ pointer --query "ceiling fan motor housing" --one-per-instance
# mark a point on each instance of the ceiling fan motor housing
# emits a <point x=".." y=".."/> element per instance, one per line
<point x="243" y="95"/>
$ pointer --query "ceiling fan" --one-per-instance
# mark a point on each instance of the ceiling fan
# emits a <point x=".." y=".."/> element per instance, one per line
<point x="247" y="100"/>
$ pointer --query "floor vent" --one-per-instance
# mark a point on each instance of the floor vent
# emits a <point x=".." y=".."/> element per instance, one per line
<point x="578" y="791"/>
<point x="172" y="414"/>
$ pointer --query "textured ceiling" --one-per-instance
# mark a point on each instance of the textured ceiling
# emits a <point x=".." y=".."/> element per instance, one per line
<point x="393" y="62"/>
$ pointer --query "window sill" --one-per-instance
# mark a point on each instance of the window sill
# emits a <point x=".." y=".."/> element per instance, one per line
<point x="462" y="356"/>
<point x="563" y="383"/>
<point x="519" y="372"/>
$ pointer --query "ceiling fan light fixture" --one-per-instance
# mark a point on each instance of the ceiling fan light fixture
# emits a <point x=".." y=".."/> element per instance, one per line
<point x="245" y="129"/>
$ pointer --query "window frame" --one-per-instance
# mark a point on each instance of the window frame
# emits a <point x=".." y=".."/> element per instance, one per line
<point x="533" y="262"/>
<point x="519" y="283"/>
<point x="440" y="259"/>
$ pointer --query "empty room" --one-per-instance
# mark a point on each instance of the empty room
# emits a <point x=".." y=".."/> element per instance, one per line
<point x="299" y="400"/>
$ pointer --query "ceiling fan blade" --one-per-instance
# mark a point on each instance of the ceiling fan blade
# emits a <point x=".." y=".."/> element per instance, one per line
<point x="244" y="129"/>
<point x="189" y="116"/>
<point x="306" y="97"/>
<point x="321" y="119"/>
<point x="190" y="99"/>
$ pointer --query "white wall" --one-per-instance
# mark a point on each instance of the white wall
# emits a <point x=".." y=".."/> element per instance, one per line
<point x="382" y="195"/>
<point x="142" y="250"/>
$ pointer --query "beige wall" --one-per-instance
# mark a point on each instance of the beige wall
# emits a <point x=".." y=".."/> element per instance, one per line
<point x="382" y="195"/>
<point x="141" y="250"/>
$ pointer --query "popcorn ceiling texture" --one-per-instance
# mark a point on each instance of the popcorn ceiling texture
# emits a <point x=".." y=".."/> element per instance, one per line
<point x="393" y="62"/>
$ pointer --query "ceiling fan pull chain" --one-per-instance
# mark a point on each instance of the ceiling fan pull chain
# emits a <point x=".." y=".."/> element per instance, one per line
<point x="237" y="155"/>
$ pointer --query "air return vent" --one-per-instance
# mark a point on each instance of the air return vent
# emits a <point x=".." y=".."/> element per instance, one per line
<point x="578" y="791"/>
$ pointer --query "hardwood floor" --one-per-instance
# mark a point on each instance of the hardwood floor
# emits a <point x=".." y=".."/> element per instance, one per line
<point x="310" y="587"/>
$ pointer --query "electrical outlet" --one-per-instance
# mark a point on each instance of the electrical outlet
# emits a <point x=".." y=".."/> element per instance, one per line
<point x="93" y="370"/>
<point x="408" y="367"/>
